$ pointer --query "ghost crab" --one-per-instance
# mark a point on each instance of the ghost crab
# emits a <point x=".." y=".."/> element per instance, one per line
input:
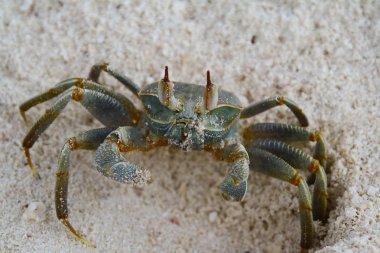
<point x="190" y="117"/>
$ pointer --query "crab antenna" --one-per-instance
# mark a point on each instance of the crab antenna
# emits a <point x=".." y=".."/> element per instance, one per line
<point x="211" y="94"/>
<point x="166" y="90"/>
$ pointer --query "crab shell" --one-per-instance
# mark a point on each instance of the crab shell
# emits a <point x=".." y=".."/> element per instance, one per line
<point x="189" y="124"/>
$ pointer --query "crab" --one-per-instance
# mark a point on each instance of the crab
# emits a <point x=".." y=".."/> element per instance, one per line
<point x="189" y="117"/>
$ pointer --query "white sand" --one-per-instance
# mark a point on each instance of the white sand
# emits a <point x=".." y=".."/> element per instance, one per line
<point x="323" y="55"/>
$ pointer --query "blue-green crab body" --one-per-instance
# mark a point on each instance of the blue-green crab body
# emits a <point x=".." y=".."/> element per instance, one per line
<point x="189" y="117"/>
<point x="188" y="124"/>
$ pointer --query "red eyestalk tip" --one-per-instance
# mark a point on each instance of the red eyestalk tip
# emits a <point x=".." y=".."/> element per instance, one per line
<point x="210" y="94"/>
<point x="209" y="83"/>
<point x="166" y="77"/>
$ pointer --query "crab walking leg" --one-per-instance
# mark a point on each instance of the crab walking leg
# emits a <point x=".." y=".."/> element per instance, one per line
<point x="108" y="108"/>
<point x="89" y="140"/>
<point x="269" y="103"/>
<point x="40" y="126"/>
<point x="80" y="84"/>
<point x="128" y="83"/>
<point x="300" y="160"/>
<point x="124" y="139"/>
<point x="51" y="93"/>
<point x="271" y="165"/>
<point x="288" y="133"/>
<point x="234" y="186"/>
<point x="320" y="155"/>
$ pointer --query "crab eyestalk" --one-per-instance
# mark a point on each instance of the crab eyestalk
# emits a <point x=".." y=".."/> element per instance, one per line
<point x="166" y="91"/>
<point x="211" y="94"/>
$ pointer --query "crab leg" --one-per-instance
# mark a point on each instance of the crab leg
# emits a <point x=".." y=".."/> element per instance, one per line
<point x="271" y="165"/>
<point x="234" y="186"/>
<point x="300" y="160"/>
<point x="40" y="126"/>
<point x="79" y="83"/>
<point x="124" y="139"/>
<point x="89" y="140"/>
<point x="288" y="133"/>
<point x="51" y="93"/>
<point x="269" y="103"/>
<point x="110" y="108"/>
<point x="98" y="68"/>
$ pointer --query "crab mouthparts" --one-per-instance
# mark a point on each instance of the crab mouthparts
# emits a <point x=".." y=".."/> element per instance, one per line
<point x="186" y="126"/>
<point x="187" y="134"/>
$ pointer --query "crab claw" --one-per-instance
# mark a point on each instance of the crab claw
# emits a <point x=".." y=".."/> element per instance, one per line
<point x="211" y="94"/>
<point x="233" y="191"/>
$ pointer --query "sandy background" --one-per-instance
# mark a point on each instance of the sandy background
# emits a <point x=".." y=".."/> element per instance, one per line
<point x="323" y="55"/>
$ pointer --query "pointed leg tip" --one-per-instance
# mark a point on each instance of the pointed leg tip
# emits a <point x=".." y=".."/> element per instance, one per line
<point x="22" y="112"/>
<point x="80" y="237"/>
<point x="31" y="166"/>
<point x="36" y="175"/>
<point x="87" y="242"/>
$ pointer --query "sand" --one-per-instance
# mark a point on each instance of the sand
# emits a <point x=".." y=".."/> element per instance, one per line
<point x="323" y="55"/>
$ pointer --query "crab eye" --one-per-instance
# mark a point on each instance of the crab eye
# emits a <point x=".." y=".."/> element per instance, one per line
<point x="157" y="111"/>
<point x="210" y="96"/>
<point x="221" y="117"/>
<point x="165" y="92"/>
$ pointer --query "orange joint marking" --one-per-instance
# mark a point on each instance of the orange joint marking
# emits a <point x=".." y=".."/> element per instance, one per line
<point x="321" y="193"/>
<point x="158" y="143"/>
<point x="73" y="143"/>
<point x="80" y="82"/>
<point x="315" y="135"/>
<point x="247" y="135"/>
<point x="237" y="155"/>
<point x="77" y="94"/>
<point x="105" y="66"/>
<point x="322" y="157"/>
<point x="152" y="144"/>
<point x="125" y="148"/>
<point x="120" y="144"/>
<point x="208" y="148"/>
<point x="306" y="207"/>
<point x="296" y="179"/>
<point x="314" y="166"/>
<point x="280" y="100"/>
<point x="216" y="151"/>
<point x="62" y="174"/>
<point x="136" y="117"/>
